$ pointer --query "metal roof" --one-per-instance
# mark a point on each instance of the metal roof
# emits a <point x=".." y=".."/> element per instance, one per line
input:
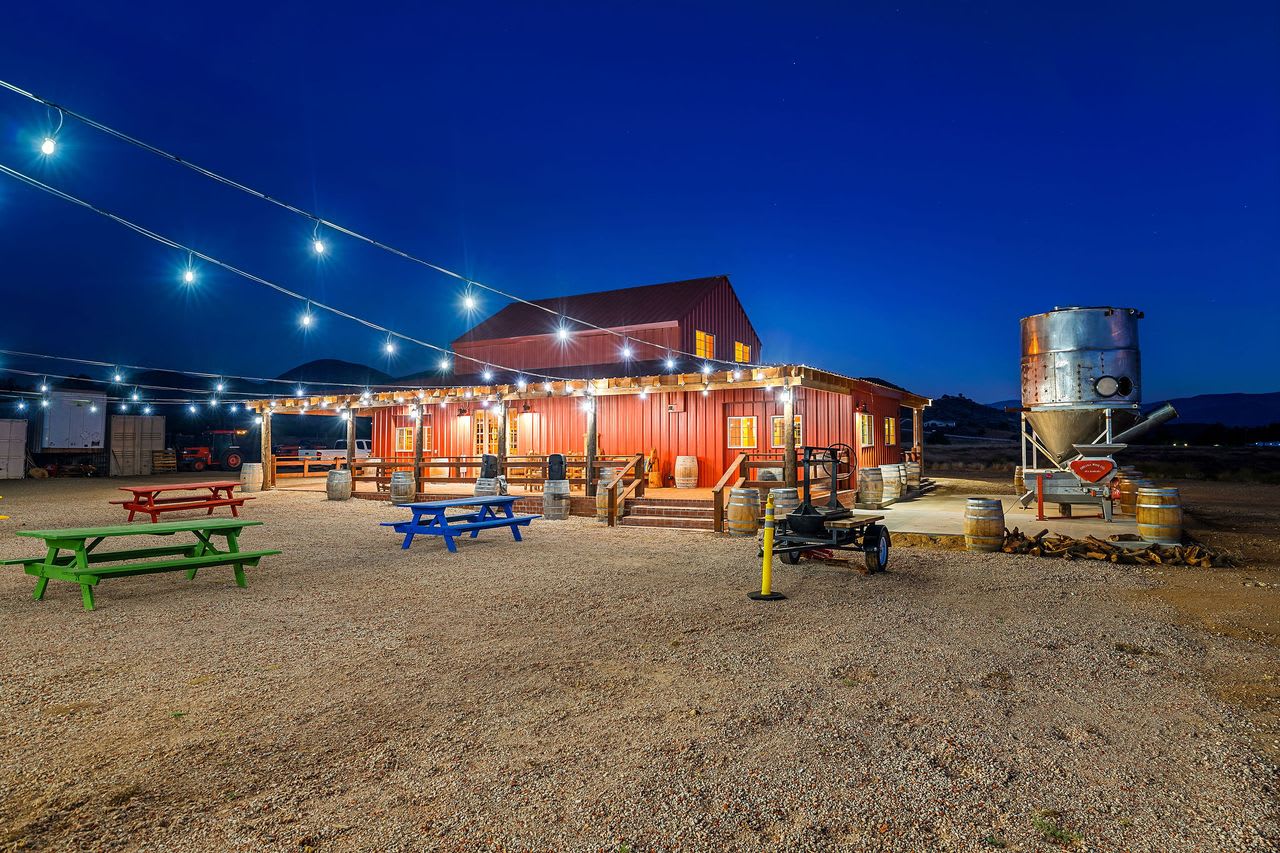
<point x="628" y="306"/>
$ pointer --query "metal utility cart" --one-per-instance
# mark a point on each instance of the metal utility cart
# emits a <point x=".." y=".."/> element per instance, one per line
<point x="831" y="526"/>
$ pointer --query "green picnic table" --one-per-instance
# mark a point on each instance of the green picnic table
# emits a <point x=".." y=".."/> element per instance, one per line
<point x="82" y="564"/>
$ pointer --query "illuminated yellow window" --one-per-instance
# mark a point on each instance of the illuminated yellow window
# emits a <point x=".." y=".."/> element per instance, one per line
<point x="741" y="352"/>
<point x="404" y="439"/>
<point x="742" y="432"/>
<point x="866" y="430"/>
<point x="704" y="345"/>
<point x="780" y="437"/>
<point x="513" y="433"/>
<point x="890" y="431"/>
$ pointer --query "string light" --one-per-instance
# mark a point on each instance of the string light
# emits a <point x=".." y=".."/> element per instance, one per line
<point x="213" y="402"/>
<point x="487" y="375"/>
<point x="316" y="243"/>
<point x="562" y="332"/>
<point x="44" y="387"/>
<point x="258" y="420"/>
<point x="626" y="351"/>
<point x="189" y="274"/>
<point x="469" y="302"/>
<point x="521" y="384"/>
<point x="22" y="405"/>
<point x="444" y="403"/>
<point x="50" y="143"/>
<point x="235" y="408"/>
<point x="706" y="369"/>
<point x="116" y="377"/>
<point x="93" y="408"/>
<point x="191" y="407"/>
<point x="300" y="391"/>
<point x="146" y="410"/>
<point x="546" y="386"/>
<point x="389" y="347"/>
<point x="44" y="404"/>
<point x="669" y="363"/>
<point x="444" y="365"/>
<point x="134" y="396"/>
<point x="219" y="387"/>
<point x="307" y="319"/>
<point x="316" y="219"/>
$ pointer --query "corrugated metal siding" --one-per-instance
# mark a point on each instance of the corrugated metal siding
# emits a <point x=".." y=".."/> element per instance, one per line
<point x="13" y="449"/>
<point x="583" y="347"/>
<point x="722" y="315"/>
<point x="628" y="424"/>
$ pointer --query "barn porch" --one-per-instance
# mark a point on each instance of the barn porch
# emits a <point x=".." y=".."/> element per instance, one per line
<point x="624" y="435"/>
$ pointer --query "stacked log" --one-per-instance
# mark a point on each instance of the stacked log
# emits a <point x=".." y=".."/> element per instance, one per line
<point x="1092" y="548"/>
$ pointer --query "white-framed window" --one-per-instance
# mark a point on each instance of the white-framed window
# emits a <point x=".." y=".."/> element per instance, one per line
<point x="742" y="432"/>
<point x="779" y="436"/>
<point x="404" y="439"/>
<point x="866" y="430"/>
<point x="890" y="432"/>
<point x="741" y="351"/>
<point x="704" y="345"/>
<point x="513" y="433"/>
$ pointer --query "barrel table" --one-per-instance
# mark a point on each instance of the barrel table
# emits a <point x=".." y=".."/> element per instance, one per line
<point x="337" y="484"/>
<point x="602" y="493"/>
<point x="402" y="487"/>
<point x="686" y="472"/>
<point x="744" y="512"/>
<point x="555" y="500"/>
<point x="870" y="486"/>
<point x="983" y="524"/>
<point x="1159" y="514"/>
<point x="251" y="477"/>
<point x="892" y="477"/>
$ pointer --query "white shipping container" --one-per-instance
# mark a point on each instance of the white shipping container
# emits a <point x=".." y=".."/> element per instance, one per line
<point x="133" y="439"/>
<point x="73" y="420"/>
<point x="13" y="449"/>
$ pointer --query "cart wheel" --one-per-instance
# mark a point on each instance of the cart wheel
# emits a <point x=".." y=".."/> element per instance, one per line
<point x="877" y="556"/>
<point x="198" y="465"/>
<point x="791" y="557"/>
<point x="233" y="462"/>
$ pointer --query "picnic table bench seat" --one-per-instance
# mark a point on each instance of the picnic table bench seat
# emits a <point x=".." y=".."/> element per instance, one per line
<point x="87" y="567"/>
<point x="430" y="518"/>
<point x="150" y="500"/>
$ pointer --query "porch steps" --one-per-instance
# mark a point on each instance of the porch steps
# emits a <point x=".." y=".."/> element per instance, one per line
<point x="675" y="514"/>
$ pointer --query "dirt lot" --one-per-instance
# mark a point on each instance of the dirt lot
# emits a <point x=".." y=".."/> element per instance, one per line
<point x="597" y="689"/>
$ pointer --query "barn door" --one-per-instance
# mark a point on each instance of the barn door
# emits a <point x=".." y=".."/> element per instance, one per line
<point x="485" y="439"/>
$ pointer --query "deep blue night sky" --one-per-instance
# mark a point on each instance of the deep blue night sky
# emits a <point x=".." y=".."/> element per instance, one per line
<point x="890" y="186"/>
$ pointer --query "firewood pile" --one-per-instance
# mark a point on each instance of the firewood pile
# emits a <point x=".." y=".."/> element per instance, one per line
<point x="1092" y="548"/>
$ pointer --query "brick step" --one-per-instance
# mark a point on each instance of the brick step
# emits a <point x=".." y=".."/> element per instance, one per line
<point x="670" y="522"/>
<point x="670" y="512"/>
<point x="648" y="502"/>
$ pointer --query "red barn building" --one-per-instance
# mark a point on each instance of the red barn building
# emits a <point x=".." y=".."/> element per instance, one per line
<point x="692" y="386"/>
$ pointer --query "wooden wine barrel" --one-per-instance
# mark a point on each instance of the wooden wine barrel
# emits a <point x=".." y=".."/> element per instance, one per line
<point x="892" y="483"/>
<point x="486" y="487"/>
<point x="744" y="512"/>
<point x="983" y="524"/>
<point x="913" y="475"/>
<point x="870" y="486"/>
<point x="686" y="472"/>
<point x="251" y="477"/>
<point x="1019" y="484"/>
<point x="337" y="484"/>
<point x="1127" y="493"/>
<point x="602" y="494"/>
<point x="785" y="501"/>
<point x="555" y="500"/>
<point x="401" y="487"/>
<point x="1159" y="514"/>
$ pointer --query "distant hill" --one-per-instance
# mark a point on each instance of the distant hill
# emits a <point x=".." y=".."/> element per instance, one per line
<point x="332" y="370"/>
<point x="971" y="417"/>
<point x="1233" y="410"/>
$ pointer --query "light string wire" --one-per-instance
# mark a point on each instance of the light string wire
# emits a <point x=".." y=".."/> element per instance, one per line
<point x="210" y="393"/>
<point x="279" y="288"/>
<point x="200" y="374"/>
<point x="341" y="229"/>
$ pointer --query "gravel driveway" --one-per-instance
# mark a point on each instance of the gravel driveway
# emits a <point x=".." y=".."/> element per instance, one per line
<point x="596" y="689"/>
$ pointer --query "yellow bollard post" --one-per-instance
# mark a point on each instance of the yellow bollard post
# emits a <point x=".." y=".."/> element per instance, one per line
<point x="766" y="592"/>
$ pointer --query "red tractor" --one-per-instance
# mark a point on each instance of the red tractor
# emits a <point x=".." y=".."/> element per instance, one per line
<point x="220" y="450"/>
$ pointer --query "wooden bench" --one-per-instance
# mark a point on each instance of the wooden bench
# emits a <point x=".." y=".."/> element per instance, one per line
<point x="85" y="566"/>
<point x="449" y="527"/>
<point x="209" y="496"/>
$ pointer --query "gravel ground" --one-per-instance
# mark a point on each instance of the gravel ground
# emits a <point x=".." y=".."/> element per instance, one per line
<point x="596" y="689"/>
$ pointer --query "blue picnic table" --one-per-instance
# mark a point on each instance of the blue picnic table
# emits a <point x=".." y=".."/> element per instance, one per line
<point x="430" y="519"/>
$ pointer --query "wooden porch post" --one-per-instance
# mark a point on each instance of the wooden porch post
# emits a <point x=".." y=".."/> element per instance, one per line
<point x="502" y="437"/>
<point x="917" y="435"/>
<point x="591" y="446"/>
<point x="417" y="449"/>
<point x="268" y="462"/>
<point x="351" y="437"/>
<point x="789" y="438"/>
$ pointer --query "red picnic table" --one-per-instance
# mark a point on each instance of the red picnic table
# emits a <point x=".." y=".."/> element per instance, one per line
<point x="207" y="495"/>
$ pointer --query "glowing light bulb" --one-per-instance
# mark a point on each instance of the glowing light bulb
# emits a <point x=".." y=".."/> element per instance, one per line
<point x="300" y="391"/>
<point x="213" y="402"/>
<point x="468" y="393"/>
<point x="443" y="403"/>
<point x="346" y="416"/>
<point x="546" y="386"/>
<point x="188" y="276"/>
<point x="484" y="404"/>
<point x="488" y="375"/>
<point x="273" y="404"/>
<point x="258" y="420"/>
<point x="116" y="377"/>
<point x="626" y="352"/>
<point x="146" y="410"/>
<point x="44" y="404"/>
<point x="191" y="407"/>
<point x="48" y="146"/>
<point x="22" y="405"/>
<point x="93" y="408"/>
<point x="444" y="364"/>
<point x="134" y="396"/>
<point x="44" y="388"/>
<point x="469" y="302"/>
<point x="219" y="387"/>
<point x="705" y="392"/>
<point x="307" y="319"/>
<point x="389" y="347"/>
<point x="319" y="246"/>
<point x="644" y="393"/>
<point x="521" y="384"/>
<point x="124" y="407"/>
<point x="670" y="363"/>
<point x="737" y="374"/>
<point x="706" y="368"/>
<point x="562" y="334"/>
<point x="234" y="407"/>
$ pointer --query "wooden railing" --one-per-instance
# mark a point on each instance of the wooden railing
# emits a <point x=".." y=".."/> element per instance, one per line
<point x="518" y="470"/>
<point x="285" y="467"/>
<point x="618" y="493"/>
<point x="731" y="474"/>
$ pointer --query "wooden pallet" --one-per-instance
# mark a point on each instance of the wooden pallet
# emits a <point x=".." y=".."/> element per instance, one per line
<point x="163" y="462"/>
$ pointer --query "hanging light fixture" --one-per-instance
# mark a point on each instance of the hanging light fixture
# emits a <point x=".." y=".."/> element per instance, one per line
<point x="307" y="319"/>
<point x="390" y="346"/>
<point x="50" y="143"/>
<point x="317" y="244"/>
